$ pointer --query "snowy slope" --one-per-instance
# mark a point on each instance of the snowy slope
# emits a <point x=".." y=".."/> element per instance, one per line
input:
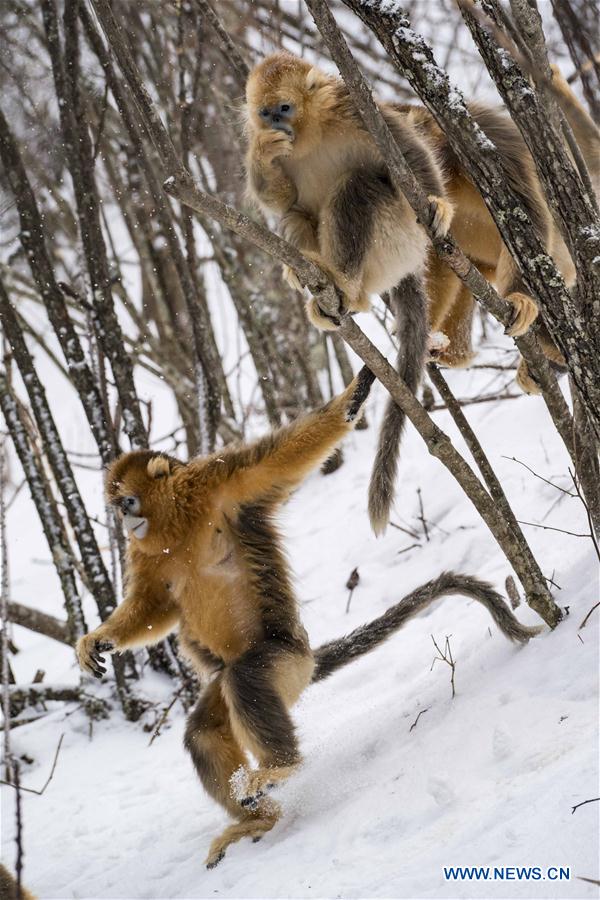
<point x="486" y="778"/>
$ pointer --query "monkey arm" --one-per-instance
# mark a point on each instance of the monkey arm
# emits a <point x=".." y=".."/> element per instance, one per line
<point x="279" y="462"/>
<point x="267" y="181"/>
<point x="300" y="229"/>
<point x="146" y="615"/>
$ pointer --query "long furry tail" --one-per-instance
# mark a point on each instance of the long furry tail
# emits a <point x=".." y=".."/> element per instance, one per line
<point x="409" y="305"/>
<point x="332" y="656"/>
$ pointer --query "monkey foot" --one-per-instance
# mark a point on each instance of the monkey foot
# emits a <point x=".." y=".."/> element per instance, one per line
<point x="526" y="312"/>
<point x="251" y="787"/>
<point x="525" y="381"/>
<point x="437" y="344"/>
<point x="320" y="319"/>
<point x="252" y="827"/>
<point x="444" y="212"/>
<point x="213" y="862"/>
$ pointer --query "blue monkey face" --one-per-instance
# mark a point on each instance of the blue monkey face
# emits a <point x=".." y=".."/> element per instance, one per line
<point x="279" y="117"/>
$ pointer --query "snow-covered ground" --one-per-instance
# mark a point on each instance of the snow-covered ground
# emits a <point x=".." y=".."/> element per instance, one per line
<point x="488" y="778"/>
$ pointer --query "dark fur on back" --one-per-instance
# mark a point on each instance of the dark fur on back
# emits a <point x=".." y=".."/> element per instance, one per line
<point x="269" y="574"/>
<point x="409" y="305"/>
<point x="332" y="656"/>
<point x="259" y="705"/>
<point x="354" y="209"/>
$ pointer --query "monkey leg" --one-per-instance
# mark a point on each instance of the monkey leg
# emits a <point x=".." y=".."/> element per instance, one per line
<point x="217" y="756"/>
<point x="215" y="751"/>
<point x="442" y="290"/>
<point x="354" y="297"/>
<point x="457" y="326"/>
<point x="524" y="378"/>
<point x="258" y="689"/>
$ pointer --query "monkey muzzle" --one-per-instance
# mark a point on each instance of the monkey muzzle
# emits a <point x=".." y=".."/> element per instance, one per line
<point x="136" y="525"/>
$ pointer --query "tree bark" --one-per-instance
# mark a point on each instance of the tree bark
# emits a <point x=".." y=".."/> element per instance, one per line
<point x="40" y="622"/>
<point x="32" y="238"/>
<point x="51" y="523"/>
<point x="65" y="68"/>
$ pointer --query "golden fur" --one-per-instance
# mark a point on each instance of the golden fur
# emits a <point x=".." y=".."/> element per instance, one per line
<point x="210" y="563"/>
<point x="204" y="555"/>
<point x="295" y="173"/>
<point x="298" y="173"/>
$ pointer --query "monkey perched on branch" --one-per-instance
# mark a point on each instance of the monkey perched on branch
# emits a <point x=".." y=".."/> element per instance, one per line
<point x="205" y="554"/>
<point x="311" y="161"/>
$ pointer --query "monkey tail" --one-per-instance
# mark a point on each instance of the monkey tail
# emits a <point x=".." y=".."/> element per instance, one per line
<point x="335" y="654"/>
<point x="408" y="302"/>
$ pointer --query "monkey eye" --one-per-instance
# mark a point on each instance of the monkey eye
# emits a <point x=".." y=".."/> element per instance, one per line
<point x="264" y="112"/>
<point x="285" y="107"/>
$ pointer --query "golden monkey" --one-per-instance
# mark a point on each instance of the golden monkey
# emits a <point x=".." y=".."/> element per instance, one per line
<point x="451" y="304"/>
<point x="311" y="162"/>
<point x="204" y="555"/>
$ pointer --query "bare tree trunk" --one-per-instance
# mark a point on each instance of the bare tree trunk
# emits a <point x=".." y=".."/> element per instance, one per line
<point x="65" y="68"/>
<point x="571" y="319"/>
<point x="31" y="235"/>
<point x="96" y="574"/>
<point x="60" y="550"/>
<point x="4" y="604"/>
<point x="578" y="31"/>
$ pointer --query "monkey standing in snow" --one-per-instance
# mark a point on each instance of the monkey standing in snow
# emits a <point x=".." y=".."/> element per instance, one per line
<point x="204" y="554"/>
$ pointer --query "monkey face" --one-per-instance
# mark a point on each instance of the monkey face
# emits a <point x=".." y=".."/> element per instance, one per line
<point x="280" y="93"/>
<point x="140" y="486"/>
<point x="279" y="117"/>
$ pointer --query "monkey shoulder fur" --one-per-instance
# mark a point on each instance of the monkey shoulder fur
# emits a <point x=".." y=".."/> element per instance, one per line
<point x="312" y="163"/>
<point x="205" y="555"/>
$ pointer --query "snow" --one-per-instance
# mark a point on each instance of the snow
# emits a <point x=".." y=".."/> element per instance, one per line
<point x="377" y="809"/>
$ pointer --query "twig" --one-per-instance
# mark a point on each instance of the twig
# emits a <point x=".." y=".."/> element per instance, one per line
<point x="406" y="549"/>
<point x="412" y="534"/>
<point x="595" y="606"/>
<point x="550" y="528"/>
<point x="19" y="834"/>
<point x="165" y="714"/>
<point x="351" y="584"/>
<point x="593" y="800"/>
<point x="587" y="512"/>
<point x="446" y="657"/>
<point x="422" y="713"/>
<point x="4" y="603"/>
<point x="18" y="787"/>
<point x="421" y="516"/>
<point x="541" y="477"/>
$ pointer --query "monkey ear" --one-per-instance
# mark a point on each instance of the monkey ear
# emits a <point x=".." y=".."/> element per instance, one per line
<point x="158" y="467"/>
<point x="313" y="79"/>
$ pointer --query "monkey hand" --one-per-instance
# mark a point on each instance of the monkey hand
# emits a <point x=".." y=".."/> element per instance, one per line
<point x="89" y="649"/>
<point x="291" y="278"/>
<point x="273" y="145"/>
<point x="526" y="312"/>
